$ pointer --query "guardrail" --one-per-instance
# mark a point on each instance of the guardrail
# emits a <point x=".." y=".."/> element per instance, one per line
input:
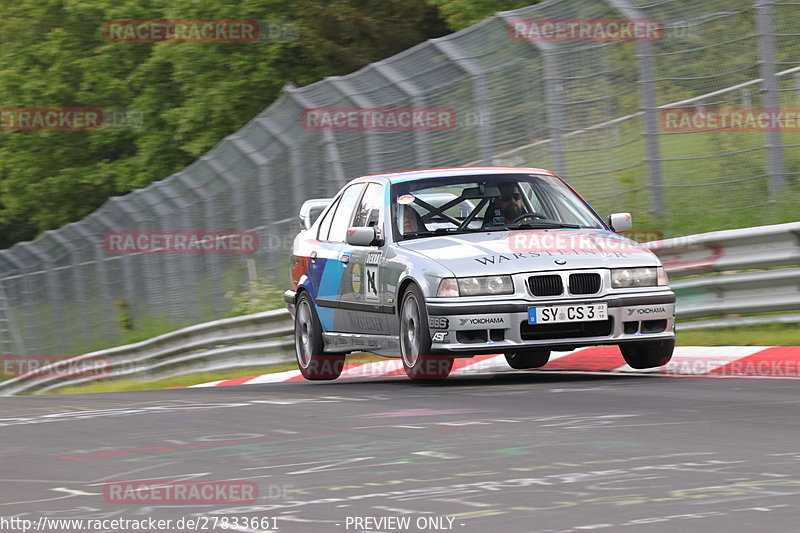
<point x="719" y="289"/>
<point x="266" y="338"/>
<point x="258" y="339"/>
<point x="737" y="249"/>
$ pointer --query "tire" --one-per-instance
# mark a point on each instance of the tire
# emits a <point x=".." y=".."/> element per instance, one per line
<point x="415" y="340"/>
<point x="311" y="358"/>
<point x="527" y="359"/>
<point x="648" y="354"/>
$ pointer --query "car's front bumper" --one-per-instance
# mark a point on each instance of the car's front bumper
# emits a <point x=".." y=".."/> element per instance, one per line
<point x="288" y="298"/>
<point x="469" y="328"/>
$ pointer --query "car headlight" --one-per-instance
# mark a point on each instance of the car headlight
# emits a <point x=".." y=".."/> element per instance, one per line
<point x="448" y="288"/>
<point x="624" y="278"/>
<point x="479" y="286"/>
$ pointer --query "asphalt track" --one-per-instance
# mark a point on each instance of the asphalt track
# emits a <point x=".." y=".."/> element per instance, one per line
<point x="517" y="452"/>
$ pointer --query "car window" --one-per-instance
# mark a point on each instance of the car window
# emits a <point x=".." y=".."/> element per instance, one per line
<point x="369" y="210"/>
<point x="325" y="224"/>
<point x="533" y="199"/>
<point x="568" y="210"/>
<point x="344" y="213"/>
<point x="460" y="204"/>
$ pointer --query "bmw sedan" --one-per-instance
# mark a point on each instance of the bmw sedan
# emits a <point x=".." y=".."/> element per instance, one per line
<point x="429" y="265"/>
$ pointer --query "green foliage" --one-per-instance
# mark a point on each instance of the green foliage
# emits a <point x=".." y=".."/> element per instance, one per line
<point x="116" y="385"/>
<point x="189" y="95"/>
<point x="146" y="328"/>
<point x="256" y="296"/>
<point x="462" y="13"/>
<point x="125" y="320"/>
<point x="760" y="335"/>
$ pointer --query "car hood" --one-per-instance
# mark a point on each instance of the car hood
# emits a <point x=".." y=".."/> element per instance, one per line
<point x="509" y="252"/>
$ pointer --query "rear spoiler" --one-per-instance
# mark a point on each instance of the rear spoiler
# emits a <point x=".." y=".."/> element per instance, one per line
<point x="311" y="210"/>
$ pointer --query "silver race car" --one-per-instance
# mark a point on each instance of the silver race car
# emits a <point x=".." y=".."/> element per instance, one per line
<point x="428" y="265"/>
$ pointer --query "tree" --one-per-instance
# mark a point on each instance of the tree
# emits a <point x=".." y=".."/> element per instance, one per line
<point x="188" y="95"/>
<point x="462" y="13"/>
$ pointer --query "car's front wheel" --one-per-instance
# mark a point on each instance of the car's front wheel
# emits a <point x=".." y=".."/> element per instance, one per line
<point x="313" y="362"/>
<point x="648" y="354"/>
<point x="527" y="359"/>
<point x="415" y="340"/>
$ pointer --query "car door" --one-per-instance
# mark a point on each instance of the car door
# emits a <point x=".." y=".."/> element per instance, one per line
<point x="363" y="308"/>
<point x="327" y="263"/>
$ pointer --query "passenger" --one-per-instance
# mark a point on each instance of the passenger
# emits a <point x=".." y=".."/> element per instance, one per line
<point x="412" y="222"/>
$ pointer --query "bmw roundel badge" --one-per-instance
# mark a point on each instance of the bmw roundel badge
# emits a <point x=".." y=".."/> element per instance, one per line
<point x="561" y="261"/>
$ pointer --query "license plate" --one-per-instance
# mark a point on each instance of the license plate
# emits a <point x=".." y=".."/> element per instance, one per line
<point x="567" y="313"/>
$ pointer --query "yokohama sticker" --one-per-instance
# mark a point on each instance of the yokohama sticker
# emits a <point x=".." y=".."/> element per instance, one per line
<point x="482" y="321"/>
<point x="645" y="311"/>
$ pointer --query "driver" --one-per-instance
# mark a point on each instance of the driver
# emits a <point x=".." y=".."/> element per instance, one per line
<point x="505" y="208"/>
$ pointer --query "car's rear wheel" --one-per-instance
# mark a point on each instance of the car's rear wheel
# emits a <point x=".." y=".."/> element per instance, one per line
<point x="313" y="362"/>
<point x="648" y="354"/>
<point x="415" y="340"/>
<point x="527" y="359"/>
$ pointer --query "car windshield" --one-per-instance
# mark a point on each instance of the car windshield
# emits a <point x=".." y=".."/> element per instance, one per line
<point x="463" y="204"/>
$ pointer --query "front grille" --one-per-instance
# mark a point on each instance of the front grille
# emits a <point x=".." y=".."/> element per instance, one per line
<point x="566" y="331"/>
<point x="550" y="285"/>
<point x="584" y="283"/>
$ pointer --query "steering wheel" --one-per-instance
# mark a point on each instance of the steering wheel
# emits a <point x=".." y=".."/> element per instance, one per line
<point x="529" y="215"/>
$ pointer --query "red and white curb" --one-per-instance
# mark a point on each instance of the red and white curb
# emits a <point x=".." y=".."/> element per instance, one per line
<point x="712" y="361"/>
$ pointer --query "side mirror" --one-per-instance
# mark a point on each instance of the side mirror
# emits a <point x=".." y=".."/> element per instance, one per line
<point x="364" y="236"/>
<point x="620" y="222"/>
<point x="311" y="210"/>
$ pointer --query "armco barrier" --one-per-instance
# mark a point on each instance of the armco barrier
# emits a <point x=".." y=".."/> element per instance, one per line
<point x="257" y="339"/>
<point x="737" y="249"/>
<point x="266" y="338"/>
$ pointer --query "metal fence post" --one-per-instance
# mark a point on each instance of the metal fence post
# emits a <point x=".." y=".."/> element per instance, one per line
<point x="79" y="291"/>
<point x="104" y="282"/>
<point x="553" y="97"/>
<point x="555" y="116"/>
<point x="797" y="85"/>
<point x="747" y="100"/>
<point x="480" y="94"/>
<point x="771" y="98"/>
<point x="54" y="292"/>
<point x="422" y="151"/>
<point x="9" y="334"/>
<point x="644" y="53"/>
<point x="374" y="163"/>
<point x="299" y="178"/>
<point x="332" y="157"/>
<point x="130" y="285"/>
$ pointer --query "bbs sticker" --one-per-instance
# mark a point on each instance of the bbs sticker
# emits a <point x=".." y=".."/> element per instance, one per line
<point x="438" y="322"/>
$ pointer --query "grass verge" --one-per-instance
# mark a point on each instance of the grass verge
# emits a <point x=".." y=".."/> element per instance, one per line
<point x="760" y="335"/>
<point x="119" y="385"/>
<point x="757" y="335"/>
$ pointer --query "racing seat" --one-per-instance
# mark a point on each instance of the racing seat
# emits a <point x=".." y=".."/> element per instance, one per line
<point x="488" y="216"/>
